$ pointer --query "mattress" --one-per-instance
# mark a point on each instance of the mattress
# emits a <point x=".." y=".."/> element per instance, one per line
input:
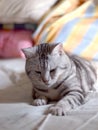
<point x="17" y="113"/>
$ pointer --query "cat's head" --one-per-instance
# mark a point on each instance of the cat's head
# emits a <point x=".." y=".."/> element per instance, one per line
<point x="45" y="63"/>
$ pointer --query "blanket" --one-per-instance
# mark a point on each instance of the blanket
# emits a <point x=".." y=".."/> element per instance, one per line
<point x="17" y="112"/>
<point x="22" y="116"/>
<point x="72" y="23"/>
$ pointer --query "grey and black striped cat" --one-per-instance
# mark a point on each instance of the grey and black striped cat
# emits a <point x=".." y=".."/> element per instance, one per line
<point x="58" y="76"/>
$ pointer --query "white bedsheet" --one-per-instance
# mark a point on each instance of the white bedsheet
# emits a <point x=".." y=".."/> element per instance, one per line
<point x="16" y="113"/>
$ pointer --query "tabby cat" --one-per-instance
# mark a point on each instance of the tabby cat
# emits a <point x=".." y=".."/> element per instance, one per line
<point x="58" y="76"/>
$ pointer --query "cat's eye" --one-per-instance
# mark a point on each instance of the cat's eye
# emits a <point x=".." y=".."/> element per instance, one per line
<point x="53" y="70"/>
<point x="38" y="72"/>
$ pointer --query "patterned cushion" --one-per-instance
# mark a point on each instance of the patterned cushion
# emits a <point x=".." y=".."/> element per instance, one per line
<point x="21" y="26"/>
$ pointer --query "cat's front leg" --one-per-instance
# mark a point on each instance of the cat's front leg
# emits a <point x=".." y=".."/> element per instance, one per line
<point x="71" y="101"/>
<point x="38" y="99"/>
<point x="59" y="109"/>
<point x="41" y="100"/>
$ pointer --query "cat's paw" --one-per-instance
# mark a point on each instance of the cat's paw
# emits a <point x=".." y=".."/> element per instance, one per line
<point x="39" y="102"/>
<point x="57" y="110"/>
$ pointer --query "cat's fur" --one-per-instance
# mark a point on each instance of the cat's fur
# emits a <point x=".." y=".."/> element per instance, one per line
<point x="58" y="76"/>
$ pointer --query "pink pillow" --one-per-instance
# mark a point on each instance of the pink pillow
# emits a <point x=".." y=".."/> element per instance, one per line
<point x="11" y="43"/>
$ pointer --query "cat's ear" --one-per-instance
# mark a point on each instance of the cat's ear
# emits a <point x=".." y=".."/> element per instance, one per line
<point x="57" y="49"/>
<point x="29" y="52"/>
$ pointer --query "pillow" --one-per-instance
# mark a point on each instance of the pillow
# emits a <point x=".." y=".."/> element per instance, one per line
<point x="74" y="24"/>
<point x="11" y="43"/>
<point x="16" y="11"/>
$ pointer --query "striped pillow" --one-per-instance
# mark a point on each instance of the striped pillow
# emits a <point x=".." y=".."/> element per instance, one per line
<point x="75" y="26"/>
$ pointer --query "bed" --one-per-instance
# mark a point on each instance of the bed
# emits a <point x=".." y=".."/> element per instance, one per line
<point x="17" y="113"/>
<point x="16" y="109"/>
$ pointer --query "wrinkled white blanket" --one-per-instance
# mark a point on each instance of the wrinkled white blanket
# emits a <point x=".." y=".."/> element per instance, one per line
<point x="16" y="113"/>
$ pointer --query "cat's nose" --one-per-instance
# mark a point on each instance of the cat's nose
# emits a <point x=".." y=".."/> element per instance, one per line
<point x="46" y="81"/>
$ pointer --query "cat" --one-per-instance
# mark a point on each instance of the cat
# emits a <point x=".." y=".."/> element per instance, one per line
<point x="58" y="76"/>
